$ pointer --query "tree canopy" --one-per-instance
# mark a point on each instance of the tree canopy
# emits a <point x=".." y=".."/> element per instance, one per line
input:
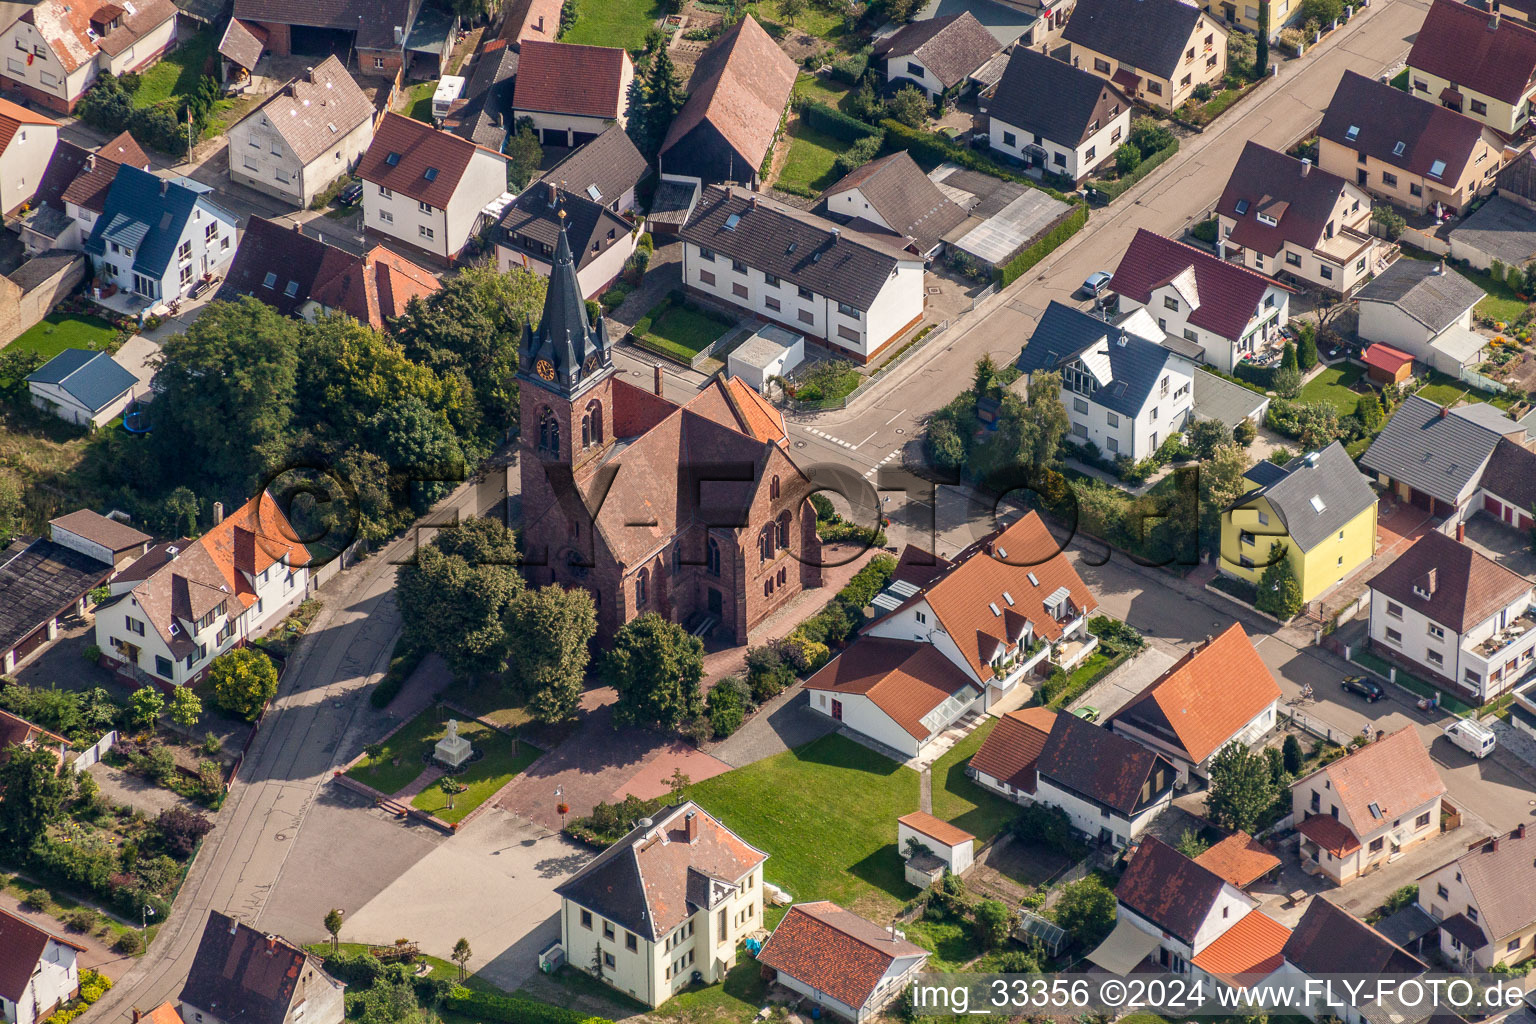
<point x="243" y="680"/>
<point x="34" y="795"/>
<point x="656" y="667"/>
<point x="1242" y="788"/>
<point x="548" y="630"/>
<point x="455" y="598"/>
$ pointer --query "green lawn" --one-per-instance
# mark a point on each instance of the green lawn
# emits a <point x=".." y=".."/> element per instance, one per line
<point x="825" y="90"/>
<point x="1501" y="303"/>
<point x="682" y="331"/>
<point x="59" y="331"/>
<point x="504" y="758"/>
<point x="957" y="799"/>
<point x="405" y="747"/>
<point x="177" y="73"/>
<point x="487" y="701"/>
<point x="953" y="942"/>
<point x="809" y="166"/>
<point x="418" y="102"/>
<point x="614" y="22"/>
<point x="813" y="20"/>
<point x="1094" y="667"/>
<point x="826" y="815"/>
<point x="440" y="968"/>
<point x="1333" y="386"/>
<point x="1448" y="390"/>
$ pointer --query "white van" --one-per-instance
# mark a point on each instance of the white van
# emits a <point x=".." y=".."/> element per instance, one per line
<point x="1472" y="737"/>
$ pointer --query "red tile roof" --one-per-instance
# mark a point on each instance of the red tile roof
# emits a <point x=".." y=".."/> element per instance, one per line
<point x="12" y="117"/>
<point x="1206" y="697"/>
<point x="1482" y="52"/>
<point x="1263" y="176"/>
<point x="566" y="78"/>
<point x="1394" y="773"/>
<point x="1010" y="752"/>
<point x="21" y="946"/>
<point x="1384" y="357"/>
<point x="1168" y="889"/>
<point x="935" y="828"/>
<point x="904" y="678"/>
<point x="759" y="417"/>
<point x="835" y="951"/>
<point x="1249" y="948"/>
<point x="1240" y="859"/>
<point x="417" y="148"/>
<point x="89" y="188"/>
<point x="15" y="729"/>
<point x="1465" y="587"/>
<point x="1331" y="834"/>
<point x="1228" y="295"/>
<point x="373" y="288"/>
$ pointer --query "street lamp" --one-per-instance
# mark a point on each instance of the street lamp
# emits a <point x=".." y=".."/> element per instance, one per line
<point x="145" y="914"/>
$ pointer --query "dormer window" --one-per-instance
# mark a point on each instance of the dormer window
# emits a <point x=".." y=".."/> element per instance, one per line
<point x="1265" y="218"/>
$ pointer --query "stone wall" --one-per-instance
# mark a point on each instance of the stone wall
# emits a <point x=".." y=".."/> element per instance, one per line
<point x="31" y="292"/>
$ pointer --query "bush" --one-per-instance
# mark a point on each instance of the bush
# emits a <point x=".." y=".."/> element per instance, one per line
<point x="594" y="310"/>
<point x="836" y="123"/>
<point x="401" y="666"/>
<point x="513" y="1009"/>
<point x="1290" y="751"/>
<point x="767" y="673"/>
<point x="1202" y="92"/>
<point x="1245" y="432"/>
<point x="1206" y="230"/>
<point x="1150" y="161"/>
<point x="361" y="969"/>
<point x="726" y="709"/>
<point x="851" y="68"/>
<point x="1116" y="637"/>
<point x="1127" y="159"/>
<point x="1390" y="221"/>
<point x="1046" y="826"/>
<point x="858" y="154"/>
<point x="128" y="942"/>
<point x="180" y="830"/>
<point x="1150" y="136"/>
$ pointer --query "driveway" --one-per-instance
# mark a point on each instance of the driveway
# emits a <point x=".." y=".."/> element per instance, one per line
<point x="134" y="791"/>
<point x="135" y="356"/>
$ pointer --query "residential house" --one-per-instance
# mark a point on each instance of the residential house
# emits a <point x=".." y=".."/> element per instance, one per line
<point x="241" y="976"/>
<point x="854" y="291"/>
<point x="1443" y="460"/>
<point x="73" y="193"/>
<point x="737" y="96"/>
<point x="1181" y="907"/>
<point x="384" y="34"/>
<point x="303" y="137"/>
<point x="26" y="144"/>
<point x="1056" y="117"/>
<point x="1124" y="389"/>
<point x="1318" y="507"/>
<point x="1449" y="612"/>
<point x="426" y="188"/>
<point x="1485" y="901"/>
<point x="1329" y="941"/>
<point x="1475" y="63"/>
<point x="56" y="49"/>
<point x="606" y="170"/>
<point x="18" y="732"/>
<point x="669" y="902"/>
<point x="1244" y="16"/>
<point x="1280" y="215"/>
<point x="531" y="19"/>
<point x="1218" y="694"/>
<point x="1155" y="51"/>
<point x="276" y="263"/>
<point x="937" y="55"/>
<point x="1243" y="955"/>
<point x="373" y="288"/>
<point x="43" y="581"/>
<point x="1424" y="309"/>
<point x="1411" y="152"/>
<point x="529" y="232"/>
<point x="483" y="115"/>
<point x="1356" y="813"/>
<point x="1241" y="860"/>
<point x="157" y="237"/>
<point x="1522" y="712"/>
<point x="572" y="93"/>
<point x="840" y="961"/>
<point x="82" y="387"/>
<point x="893" y="193"/>
<point x="1231" y="312"/>
<point x="1109" y="787"/>
<point x="951" y="846"/>
<point x="183" y="604"/>
<point x="38" y="972"/>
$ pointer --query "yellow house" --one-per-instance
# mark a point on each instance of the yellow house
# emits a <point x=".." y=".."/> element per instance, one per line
<point x="1155" y="51"/>
<point x="666" y="905"/>
<point x="1476" y="63"/>
<point x="1319" y="507"/>
<point x="1244" y="14"/>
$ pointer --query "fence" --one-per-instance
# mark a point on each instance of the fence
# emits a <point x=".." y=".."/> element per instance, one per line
<point x="93" y="754"/>
<point x="1318" y="727"/>
<point x="1477" y="380"/>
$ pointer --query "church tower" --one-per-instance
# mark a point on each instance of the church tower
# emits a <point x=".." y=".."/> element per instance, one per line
<point x="565" y="386"/>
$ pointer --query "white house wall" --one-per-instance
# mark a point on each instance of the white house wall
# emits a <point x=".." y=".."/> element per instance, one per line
<point x="483" y="181"/>
<point x="904" y="625"/>
<point x="44" y="73"/>
<point x="54" y="399"/>
<point x="56" y="979"/>
<point x="23" y="162"/>
<point x="1070" y="157"/>
<point x="144" y="49"/>
<point x="1382" y="321"/>
<point x="1087" y="817"/>
<point x="863" y="716"/>
<point x="262" y="159"/>
<point x="910" y="70"/>
<point x="1220" y="352"/>
<point x="1415" y="641"/>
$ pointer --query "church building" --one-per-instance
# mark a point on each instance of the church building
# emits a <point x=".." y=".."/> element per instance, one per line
<point x="695" y="512"/>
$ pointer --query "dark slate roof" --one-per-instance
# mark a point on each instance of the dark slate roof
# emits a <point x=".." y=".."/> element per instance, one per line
<point x="1430" y="449"/>
<point x="796" y="246"/>
<point x="905" y="198"/>
<point x="1168" y="889"/>
<point x="1482" y="52"/>
<point x="93" y="379"/>
<point x="149" y="212"/>
<point x="40" y="581"/>
<point x="1096" y="763"/>
<point x="1511" y="474"/>
<point x="950" y="47"/>
<point x="1384" y="116"/>
<point x="1504" y="230"/>
<point x="1065" y="332"/>
<point x="486" y="115"/>
<point x="1407" y="925"/>
<point x="374" y="21"/>
<point x="1049" y="97"/>
<point x="1328" y="478"/>
<point x="66" y="163"/>
<point x="587" y="223"/>
<point x="241" y="975"/>
<point x="272" y="261"/>
<point x="1147" y="34"/>
<point x="609" y="164"/>
<point x="1328" y="940"/>
<point x="42" y="267"/>
<point x="1432" y="294"/>
<point x="1264" y="177"/>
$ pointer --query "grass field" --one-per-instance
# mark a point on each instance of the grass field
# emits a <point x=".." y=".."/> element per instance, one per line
<point x="814" y="20"/>
<point x="59" y="331"/>
<point x="683" y="332"/>
<point x="418" y="102"/>
<point x="504" y="758"/>
<point x="961" y="801"/>
<point x="614" y="22"/>
<point x="812" y="155"/>
<point x="825" y="90"/>
<point x="176" y="73"/>
<point x="440" y="968"/>
<point x="1332" y="386"/>
<point x="826" y="814"/>
<point x="1448" y="390"/>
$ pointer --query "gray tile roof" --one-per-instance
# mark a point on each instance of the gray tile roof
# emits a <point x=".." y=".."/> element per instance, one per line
<point x="1147" y="34"/>
<point x="1504" y="230"/>
<point x="1065" y="332"/>
<point x="1434" y="296"/>
<point x="1318" y="495"/>
<point x="40" y="581"/>
<point x="93" y="379"/>
<point x="801" y="248"/>
<point x="950" y="47"/>
<point x="1052" y="98"/>
<point x="314" y="112"/>
<point x="1218" y="399"/>
<point x="1431" y="450"/>
<point x="487" y="113"/>
<point x="610" y="164"/>
<point x="905" y="198"/>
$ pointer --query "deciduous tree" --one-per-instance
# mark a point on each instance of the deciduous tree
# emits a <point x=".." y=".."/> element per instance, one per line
<point x="656" y="666"/>
<point x="34" y="795"/>
<point x="1086" y="910"/>
<point x="1242" y="788"/>
<point x="333" y="920"/>
<point x="910" y="106"/>
<point x="455" y="597"/>
<point x="461" y="955"/>
<point x="548" y="633"/>
<point x="145" y="706"/>
<point x="243" y="680"/>
<point x="186" y="706"/>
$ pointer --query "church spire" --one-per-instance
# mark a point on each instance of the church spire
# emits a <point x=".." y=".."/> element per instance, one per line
<point x="567" y="352"/>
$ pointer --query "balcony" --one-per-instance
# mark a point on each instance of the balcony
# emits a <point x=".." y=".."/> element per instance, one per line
<point x="1345" y="246"/>
<point x="1013" y="667"/>
<point x="1506" y="655"/>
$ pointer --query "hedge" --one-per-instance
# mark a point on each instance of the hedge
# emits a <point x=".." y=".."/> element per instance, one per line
<point x="1112" y="190"/>
<point x="834" y="122"/>
<point x="514" y="1009"/>
<point x="1065" y="229"/>
<point x="936" y="148"/>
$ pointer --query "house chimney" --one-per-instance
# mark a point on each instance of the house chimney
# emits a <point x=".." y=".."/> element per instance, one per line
<point x="165" y="186"/>
<point x="691" y="824"/>
<point x="1461" y="531"/>
<point x="554" y="194"/>
<point x="234" y="924"/>
<point x="218" y="506"/>
<point x="538" y="26"/>
<point x="1431" y="577"/>
<point x="657" y="384"/>
<point x="752" y="201"/>
<point x="1445" y="411"/>
<point x="1493" y="847"/>
<point x="1440" y="268"/>
<point x="90" y="161"/>
<point x="1306" y="166"/>
<point x="1493" y="22"/>
<point x="1380" y="735"/>
<point x="310" y="74"/>
<point x="1519" y="832"/>
<point x="136" y="1015"/>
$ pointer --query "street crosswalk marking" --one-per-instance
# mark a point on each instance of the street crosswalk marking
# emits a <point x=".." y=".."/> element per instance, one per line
<point x="835" y="440"/>
<point x="888" y="457"/>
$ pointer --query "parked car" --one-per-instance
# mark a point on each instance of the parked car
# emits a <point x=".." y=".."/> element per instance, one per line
<point x="351" y="194"/>
<point x="1096" y="283"/>
<point x="1367" y="688"/>
<point x="1087" y="714"/>
<point x="1473" y="737"/>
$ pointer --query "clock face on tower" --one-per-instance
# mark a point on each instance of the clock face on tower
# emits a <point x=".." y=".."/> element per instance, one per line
<point x="544" y="368"/>
<point x="591" y="364"/>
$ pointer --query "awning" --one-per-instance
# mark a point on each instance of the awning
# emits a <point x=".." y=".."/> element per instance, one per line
<point x="1126" y="947"/>
<point x="1127" y="80"/>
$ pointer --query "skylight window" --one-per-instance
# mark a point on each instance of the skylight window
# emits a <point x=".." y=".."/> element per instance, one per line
<point x="1397" y="150"/>
<point x="1034" y="580"/>
<point x="430" y="174"/>
<point x="393" y="159"/>
<point x="993" y="606"/>
<point x="1317" y="503"/>
<point x="595" y="193"/>
<point x="790" y="251"/>
<point x="1009" y="598"/>
<point x="292" y="289"/>
<point x="1437" y="168"/>
<point x="270" y="281"/>
<point x="732" y="221"/>
<point x="1242" y="207"/>
<point x="1002" y="552"/>
<point x="1376" y="810"/>
<point x="1353" y="133"/>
